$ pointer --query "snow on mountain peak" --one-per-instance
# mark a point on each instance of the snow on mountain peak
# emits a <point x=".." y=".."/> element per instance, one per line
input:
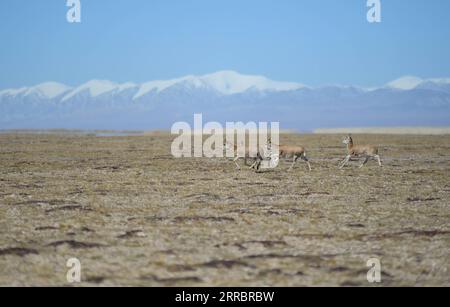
<point x="13" y="92"/>
<point x="405" y="83"/>
<point x="48" y="90"/>
<point x="126" y="86"/>
<point x="161" y="85"/>
<point x="225" y="82"/>
<point x="94" y="87"/>
<point x="411" y="82"/>
<point x="440" y="80"/>
<point x="231" y="82"/>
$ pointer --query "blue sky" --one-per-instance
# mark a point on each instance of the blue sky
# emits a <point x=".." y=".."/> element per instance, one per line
<point x="315" y="42"/>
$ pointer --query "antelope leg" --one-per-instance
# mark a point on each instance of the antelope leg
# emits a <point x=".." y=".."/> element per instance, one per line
<point x="235" y="162"/>
<point x="345" y="161"/>
<point x="305" y="158"/>
<point x="379" y="160"/>
<point x="364" y="163"/>
<point x="293" y="163"/>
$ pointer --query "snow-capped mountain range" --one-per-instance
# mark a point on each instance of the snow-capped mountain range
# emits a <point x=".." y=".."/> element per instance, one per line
<point x="224" y="96"/>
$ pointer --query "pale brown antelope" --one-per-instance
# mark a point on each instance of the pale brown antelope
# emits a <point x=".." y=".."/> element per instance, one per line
<point x="366" y="151"/>
<point x="291" y="152"/>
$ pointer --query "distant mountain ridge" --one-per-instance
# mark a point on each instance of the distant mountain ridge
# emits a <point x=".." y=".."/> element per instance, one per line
<point x="225" y="96"/>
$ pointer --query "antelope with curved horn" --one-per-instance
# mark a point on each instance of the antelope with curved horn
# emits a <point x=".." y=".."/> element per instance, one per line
<point x="366" y="151"/>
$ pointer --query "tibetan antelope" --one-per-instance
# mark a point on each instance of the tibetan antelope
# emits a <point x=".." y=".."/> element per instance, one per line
<point x="366" y="151"/>
<point x="291" y="152"/>
<point x="255" y="155"/>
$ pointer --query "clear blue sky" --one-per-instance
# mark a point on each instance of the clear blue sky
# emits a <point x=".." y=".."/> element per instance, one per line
<point x="310" y="41"/>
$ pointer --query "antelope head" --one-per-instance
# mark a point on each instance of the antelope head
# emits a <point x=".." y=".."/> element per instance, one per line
<point x="347" y="140"/>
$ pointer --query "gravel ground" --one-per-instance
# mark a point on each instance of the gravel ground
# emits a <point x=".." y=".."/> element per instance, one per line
<point x="134" y="215"/>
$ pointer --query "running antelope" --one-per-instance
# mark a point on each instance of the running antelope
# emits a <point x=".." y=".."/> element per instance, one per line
<point x="291" y="152"/>
<point x="255" y="155"/>
<point x="366" y="151"/>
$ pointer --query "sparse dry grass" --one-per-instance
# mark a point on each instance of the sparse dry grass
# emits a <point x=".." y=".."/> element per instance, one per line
<point x="134" y="215"/>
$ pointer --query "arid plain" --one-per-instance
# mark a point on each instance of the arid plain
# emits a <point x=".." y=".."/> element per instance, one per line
<point x="134" y="215"/>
